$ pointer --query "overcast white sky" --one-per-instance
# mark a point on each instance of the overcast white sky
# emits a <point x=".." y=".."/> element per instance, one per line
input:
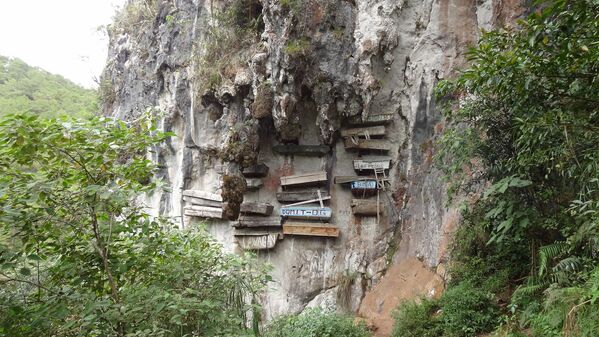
<point x="59" y="36"/>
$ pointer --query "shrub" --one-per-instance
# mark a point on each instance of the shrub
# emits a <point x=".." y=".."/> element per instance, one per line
<point x="316" y="323"/>
<point x="233" y="31"/>
<point x="467" y="310"/>
<point x="80" y="257"/>
<point x="414" y="319"/>
<point x="134" y="16"/>
<point x="299" y="47"/>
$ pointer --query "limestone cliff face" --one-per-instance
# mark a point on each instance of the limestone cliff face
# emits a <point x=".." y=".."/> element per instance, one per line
<point x="312" y="66"/>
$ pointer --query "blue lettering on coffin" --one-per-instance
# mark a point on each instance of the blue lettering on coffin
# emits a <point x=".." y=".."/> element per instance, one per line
<point x="306" y="212"/>
<point x="363" y="185"/>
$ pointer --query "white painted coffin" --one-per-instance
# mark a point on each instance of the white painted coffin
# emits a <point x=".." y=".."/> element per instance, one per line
<point x="256" y="240"/>
<point x="372" y="164"/>
<point x="301" y="212"/>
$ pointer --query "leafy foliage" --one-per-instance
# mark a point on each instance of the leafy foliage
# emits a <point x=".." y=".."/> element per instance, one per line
<point x="464" y="310"/>
<point x="134" y="17"/>
<point x="80" y="257"/>
<point x="467" y="310"/>
<point x="316" y="323"/>
<point x="523" y="137"/>
<point x="232" y="33"/>
<point x="418" y="319"/>
<point x="28" y="89"/>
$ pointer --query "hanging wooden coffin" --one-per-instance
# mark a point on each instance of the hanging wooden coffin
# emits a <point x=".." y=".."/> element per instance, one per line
<point x="253" y="184"/>
<point x="203" y="212"/>
<point x="371" y="164"/>
<point x="373" y="131"/>
<point x="257" y="221"/>
<point x="256" y="208"/>
<point x="310" y="229"/>
<point x="302" y="150"/>
<point x="350" y="179"/>
<point x="202" y="202"/>
<point x="257" y="240"/>
<point x="363" y="188"/>
<point x="366" y="207"/>
<point x="293" y="196"/>
<point x="255" y="171"/>
<point x="367" y="144"/>
<point x="378" y="119"/>
<point x="202" y="195"/>
<point x="306" y="179"/>
<point x="301" y="212"/>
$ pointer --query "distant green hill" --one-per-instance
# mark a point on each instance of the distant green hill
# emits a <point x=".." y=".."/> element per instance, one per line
<point x="24" y="88"/>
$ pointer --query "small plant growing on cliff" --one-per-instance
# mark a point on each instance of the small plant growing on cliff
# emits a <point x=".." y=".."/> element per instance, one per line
<point x="135" y="15"/>
<point x="298" y="47"/>
<point x="294" y="6"/>
<point x="316" y="323"/>
<point x="233" y="31"/>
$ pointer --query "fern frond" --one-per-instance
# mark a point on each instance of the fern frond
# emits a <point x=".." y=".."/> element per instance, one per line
<point x="525" y="290"/>
<point x="571" y="263"/>
<point x="550" y="252"/>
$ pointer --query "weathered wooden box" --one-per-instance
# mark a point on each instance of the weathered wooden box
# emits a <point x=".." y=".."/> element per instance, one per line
<point x="310" y="229"/>
<point x="306" y="179"/>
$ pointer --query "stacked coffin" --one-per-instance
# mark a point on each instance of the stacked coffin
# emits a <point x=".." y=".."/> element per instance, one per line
<point x="366" y="138"/>
<point x="256" y="229"/>
<point x="299" y="214"/>
<point x="253" y="176"/>
<point x="366" y="135"/>
<point x="202" y="204"/>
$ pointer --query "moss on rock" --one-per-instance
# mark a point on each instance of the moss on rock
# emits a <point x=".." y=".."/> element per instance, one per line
<point x="263" y="103"/>
<point x="232" y="193"/>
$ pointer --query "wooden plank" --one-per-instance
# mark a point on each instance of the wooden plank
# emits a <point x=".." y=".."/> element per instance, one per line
<point x="202" y="195"/>
<point x="203" y="212"/>
<point x="367" y="144"/>
<point x="378" y="119"/>
<point x="253" y="184"/>
<point x="258" y="242"/>
<point x="302" y="150"/>
<point x="257" y="232"/>
<point x="256" y="208"/>
<point x="362" y="132"/>
<point x="297" y="196"/>
<point x="202" y="202"/>
<point x="257" y="221"/>
<point x="365" y="207"/>
<point x="310" y="229"/>
<point x="302" y="212"/>
<point x="255" y="171"/>
<point x="371" y="164"/>
<point x="349" y="179"/>
<point x="304" y="179"/>
<point x="321" y="199"/>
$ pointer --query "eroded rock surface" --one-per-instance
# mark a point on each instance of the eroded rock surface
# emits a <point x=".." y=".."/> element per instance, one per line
<point x="309" y="68"/>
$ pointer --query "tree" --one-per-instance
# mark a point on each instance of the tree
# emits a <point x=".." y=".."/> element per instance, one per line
<point x="79" y="255"/>
<point x="525" y="120"/>
<point x="29" y="89"/>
